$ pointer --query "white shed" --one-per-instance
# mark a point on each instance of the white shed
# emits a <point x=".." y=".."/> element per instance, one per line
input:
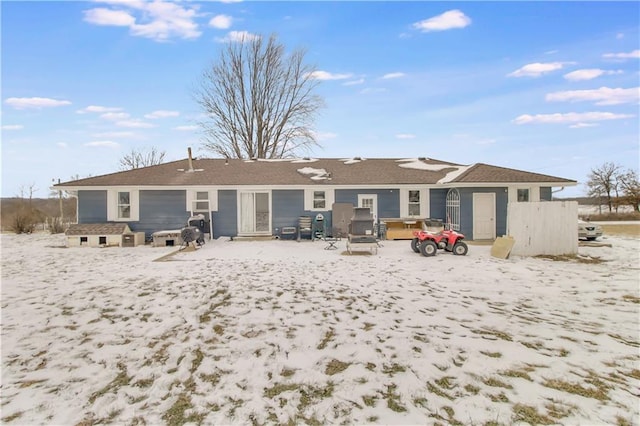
<point x="102" y="235"/>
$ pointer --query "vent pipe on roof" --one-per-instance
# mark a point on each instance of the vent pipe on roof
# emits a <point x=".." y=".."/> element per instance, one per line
<point x="190" y="159"/>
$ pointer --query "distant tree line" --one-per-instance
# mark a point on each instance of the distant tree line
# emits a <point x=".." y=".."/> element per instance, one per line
<point x="24" y="214"/>
<point x="614" y="186"/>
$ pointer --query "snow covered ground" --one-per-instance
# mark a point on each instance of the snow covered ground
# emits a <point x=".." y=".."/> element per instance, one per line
<point x="259" y="332"/>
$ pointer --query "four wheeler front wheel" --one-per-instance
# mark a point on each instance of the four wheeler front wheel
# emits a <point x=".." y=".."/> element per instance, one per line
<point x="428" y="248"/>
<point x="415" y="245"/>
<point x="460" y="248"/>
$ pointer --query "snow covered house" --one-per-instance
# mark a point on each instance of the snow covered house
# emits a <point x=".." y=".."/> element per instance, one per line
<point x="260" y="197"/>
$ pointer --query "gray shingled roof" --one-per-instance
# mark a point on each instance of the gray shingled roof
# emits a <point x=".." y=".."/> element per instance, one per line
<point x="372" y="171"/>
<point x="98" y="229"/>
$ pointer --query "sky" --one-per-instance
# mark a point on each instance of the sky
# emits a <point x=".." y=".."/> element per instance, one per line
<point x="547" y="87"/>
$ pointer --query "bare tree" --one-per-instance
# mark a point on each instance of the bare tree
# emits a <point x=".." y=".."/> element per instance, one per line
<point x="603" y="181"/>
<point x="258" y="100"/>
<point x="630" y="186"/>
<point x="138" y="158"/>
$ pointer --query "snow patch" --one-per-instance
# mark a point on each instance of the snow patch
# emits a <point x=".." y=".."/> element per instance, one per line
<point x="414" y="163"/>
<point x="353" y="160"/>
<point x="316" y="174"/>
<point x="451" y="176"/>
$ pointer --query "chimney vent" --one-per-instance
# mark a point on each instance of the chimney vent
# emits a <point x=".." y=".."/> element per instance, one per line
<point x="190" y="159"/>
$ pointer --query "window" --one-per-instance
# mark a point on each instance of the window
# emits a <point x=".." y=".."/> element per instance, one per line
<point x="102" y="240"/>
<point x="414" y="203"/>
<point x="319" y="200"/>
<point x="83" y="240"/>
<point x="523" y="195"/>
<point x="202" y="201"/>
<point x="124" y="205"/>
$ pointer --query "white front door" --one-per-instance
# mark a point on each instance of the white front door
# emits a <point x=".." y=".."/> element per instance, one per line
<point x="254" y="213"/>
<point x="484" y="216"/>
<point x="369" y="201"/>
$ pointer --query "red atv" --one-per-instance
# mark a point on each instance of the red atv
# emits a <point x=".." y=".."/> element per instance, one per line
<point x="427" y="243"/>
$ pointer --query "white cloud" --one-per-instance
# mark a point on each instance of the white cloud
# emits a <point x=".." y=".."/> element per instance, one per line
<point x="601" y="96"/>
<point x="221" y="22"/>
<point x="161" y="114"/>
<point x="238" y="37"/>
<point x="134" y="123"/>
<point x="115" y="116"/>
<point x="448" y="20"/>
<point x="619" y="36"/>
<point x="537" y="69"/>
<point x="62" y="144"/>
<point x="97" y="109"/>
<point x="186" y="128"/>
<point x="589" y="74"/>
<point x="353" y="82"/>
<point x="24" y="103"/>
<point x="325" y="75"/>
<point x="581" y="125"/>
<point x="630" y="55"/>
<point x="114" y="135"/>
<point x="105" y="144"/>
<point x="157" y="20"/>
<point x="405" y="136"/>
<point x="12" y="127"/>
<point x="570" y="117"/>
<point x="393" y="75"/>
<point x="102" y="16"/>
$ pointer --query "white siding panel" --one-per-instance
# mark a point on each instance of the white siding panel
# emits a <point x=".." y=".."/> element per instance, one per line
<point x="543" y="227"/>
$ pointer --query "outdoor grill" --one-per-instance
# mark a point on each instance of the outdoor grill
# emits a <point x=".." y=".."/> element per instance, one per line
<point x="361" y="226"/>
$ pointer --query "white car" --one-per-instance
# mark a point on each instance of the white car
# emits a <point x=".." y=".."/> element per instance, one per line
<point x="589" y="230"/>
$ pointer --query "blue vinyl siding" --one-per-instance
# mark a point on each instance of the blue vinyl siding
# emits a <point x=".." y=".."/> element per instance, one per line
<point x="288" y="206"/>
<point x="466" y="209"/>
<point x="388" y="199"/>
<point x="438" y="204"/>
<point x="438" y="200"/>
<point x="225" y="220"/>
<point x="92" y="206"/>
<point x="160" y="211"/>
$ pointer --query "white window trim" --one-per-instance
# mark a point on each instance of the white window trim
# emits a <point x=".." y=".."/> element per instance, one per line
<point x="329" y="199"/>
<point x="404" y="202"/>
<point x="191" y="198"/>
<point x="534" y="193"/>
<point x="112" y="205"/>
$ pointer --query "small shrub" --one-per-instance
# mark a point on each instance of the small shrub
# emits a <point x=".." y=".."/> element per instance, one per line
<point x="55" y="225"/>
<point x="23" y="222"/>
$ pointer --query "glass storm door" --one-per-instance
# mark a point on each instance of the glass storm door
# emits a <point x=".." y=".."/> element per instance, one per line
<point x="254" y="213"/>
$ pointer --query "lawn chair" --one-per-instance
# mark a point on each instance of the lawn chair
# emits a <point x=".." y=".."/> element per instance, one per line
<point x="304" y="227"/>
<point x="332" y="239"/>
